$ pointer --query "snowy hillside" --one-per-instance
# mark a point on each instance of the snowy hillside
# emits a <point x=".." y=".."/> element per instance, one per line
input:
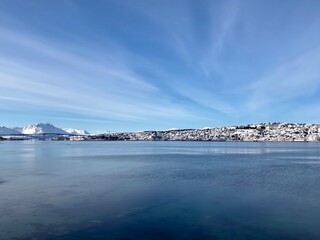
<point x="40" y="128"/>
<point x="76" y="131"/>
<point x="4" y="131"/>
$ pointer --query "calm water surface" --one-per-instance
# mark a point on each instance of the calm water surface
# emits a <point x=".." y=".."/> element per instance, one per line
<point x="159" y="190"/>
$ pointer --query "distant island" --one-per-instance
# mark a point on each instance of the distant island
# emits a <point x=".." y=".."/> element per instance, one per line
<point x="289" y="132"/>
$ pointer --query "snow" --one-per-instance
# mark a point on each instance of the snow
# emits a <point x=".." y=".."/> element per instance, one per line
<point x="76" y="131"/>
<point x="171" y="129"/>
<point x="41" y="128"/>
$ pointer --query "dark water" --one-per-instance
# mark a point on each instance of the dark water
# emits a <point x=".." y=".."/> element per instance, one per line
<point x="159" y="190"/>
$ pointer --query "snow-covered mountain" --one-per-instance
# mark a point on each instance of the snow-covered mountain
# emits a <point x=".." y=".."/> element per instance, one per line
<point x="5" y="130"/>
<point x="76" y="131"/>
<point x="40" y="128"/>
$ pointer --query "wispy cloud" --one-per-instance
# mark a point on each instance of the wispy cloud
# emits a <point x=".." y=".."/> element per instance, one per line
<point x="198" y="59"/>
<point x="117" y="92"/>
<point x="223" y="23"/>
<point x="169" y="62"/>
<point x="297" y="78"/>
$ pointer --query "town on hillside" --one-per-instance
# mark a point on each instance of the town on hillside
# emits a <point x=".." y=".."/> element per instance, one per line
<point x="253" y="132"/>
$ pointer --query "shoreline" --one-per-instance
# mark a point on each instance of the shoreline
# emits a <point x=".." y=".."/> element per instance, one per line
<point x="262" y="132"/>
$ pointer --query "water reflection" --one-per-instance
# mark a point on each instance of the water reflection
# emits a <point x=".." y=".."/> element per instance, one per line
<point x="157" y="190"/>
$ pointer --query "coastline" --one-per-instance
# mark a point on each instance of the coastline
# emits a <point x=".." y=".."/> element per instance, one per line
<point x="262" y="132"/>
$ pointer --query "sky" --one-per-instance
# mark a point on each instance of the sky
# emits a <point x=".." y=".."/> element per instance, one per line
<point x="131" y="65"/>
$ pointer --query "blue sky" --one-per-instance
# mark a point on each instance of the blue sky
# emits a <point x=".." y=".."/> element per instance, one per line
<point x="138" y="65"/>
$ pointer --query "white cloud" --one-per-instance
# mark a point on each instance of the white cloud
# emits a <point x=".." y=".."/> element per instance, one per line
<point x="297" y="78"/>
<point x="111" y="90"/>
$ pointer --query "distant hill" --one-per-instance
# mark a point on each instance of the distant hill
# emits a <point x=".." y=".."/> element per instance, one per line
<point x="5" y="130"/>
<point x="41" y="128"/>
<point x="76" y="131"/>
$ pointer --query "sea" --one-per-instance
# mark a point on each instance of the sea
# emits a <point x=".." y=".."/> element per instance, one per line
<point x="159" y="190"/>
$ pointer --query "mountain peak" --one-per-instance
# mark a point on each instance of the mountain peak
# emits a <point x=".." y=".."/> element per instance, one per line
<point x="4" y="130"/>
<point x="42" y="124"/>
<point x="76" y="131"/>
<point x="41" y="128"/>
